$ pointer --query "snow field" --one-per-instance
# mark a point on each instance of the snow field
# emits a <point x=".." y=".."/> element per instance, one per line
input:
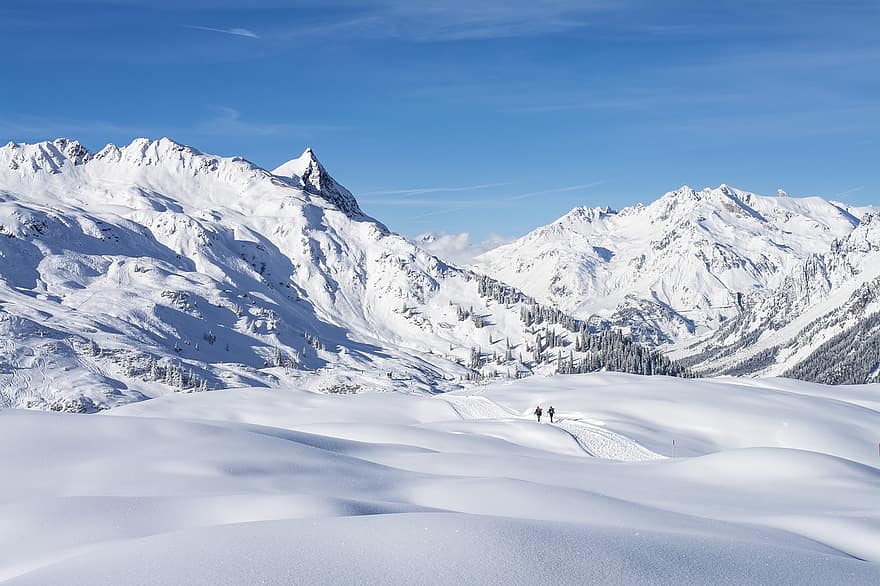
<point x="285" y="486"/>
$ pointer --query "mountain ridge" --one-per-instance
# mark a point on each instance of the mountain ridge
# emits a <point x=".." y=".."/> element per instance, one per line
<point x="153" y="268"/>
<point x="674" y="269"/>
<point x="820" y="323"/>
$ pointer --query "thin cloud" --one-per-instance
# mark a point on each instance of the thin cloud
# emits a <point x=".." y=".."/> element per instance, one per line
<point x="496" y="203"/>
<point x="33" y="126"/>
<point x="359" y="27"/>
<point x="557" y="190"/>
<point x="217" y="121"/>
<point x="501" y="202"/>
<point x="458" y="247"/>
<point x="847" y="192"/>
<point x="426" y="190"/>
<point x="465" y="20"/>
<point x="237" y="32"/>
<point x="227" y="121"/>
<point x="635" y="100"/>
<point x="423" y="201"/>
<point x="422" y="218"/>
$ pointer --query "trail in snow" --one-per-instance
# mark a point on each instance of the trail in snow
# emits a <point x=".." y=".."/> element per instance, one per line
<point x="471" y="407"/>
<point x="603" y="443"/>
<point x="596" y="441"/>
<point x="778" y="488"/>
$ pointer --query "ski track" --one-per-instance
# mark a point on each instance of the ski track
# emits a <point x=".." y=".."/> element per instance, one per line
<point x="471" y="407"/>
<point x="594" y="440"/>
<point x="603" y="443"/>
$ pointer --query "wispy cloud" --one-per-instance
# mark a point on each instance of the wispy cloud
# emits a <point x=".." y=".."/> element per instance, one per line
<point x="226" y="121"/>
<point x="578" y="187"/>
<point x="500" y="202"/>
<point x="30" y="127"/>
<point x="426" y="202"/>
<point x="780" y="123"/>
<point x="216" y="121"/>
<point x="237" y="32"/>
<point x="459" y="208"/>
<point x="461" y="20"/>
<point x="847" y="192"/>
<point x="426" y="190"/>
<point x="459" y="248"/>
<point x="632" y="99"/>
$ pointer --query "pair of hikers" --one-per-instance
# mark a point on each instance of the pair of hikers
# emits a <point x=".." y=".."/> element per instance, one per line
<point x="551" y="412"/>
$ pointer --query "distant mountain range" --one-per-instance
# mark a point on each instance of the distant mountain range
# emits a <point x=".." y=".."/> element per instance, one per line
<point x="729" y="281"/>
<point x="675" y="269"/>
<point x="822" y="323"/>
<point x="152" y="268"/>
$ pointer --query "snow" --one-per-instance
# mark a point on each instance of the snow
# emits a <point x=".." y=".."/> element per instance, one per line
<point x="137" y="272"/>
<point x="705" y="416"/>
<point x="676" y="268"/>
<point x="125" y="270"/>
<point x="773" y="481"/>
<point x="152" y="267"/>
<point x="826" y="295"/>
<point x="475" y="549"/>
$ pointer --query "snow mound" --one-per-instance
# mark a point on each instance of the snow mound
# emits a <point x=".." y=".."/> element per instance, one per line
<point x="474" y="549"/>
<point x="283" y="485"/>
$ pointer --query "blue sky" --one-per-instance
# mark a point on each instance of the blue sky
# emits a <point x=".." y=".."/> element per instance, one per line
<point x="485" y="117"/>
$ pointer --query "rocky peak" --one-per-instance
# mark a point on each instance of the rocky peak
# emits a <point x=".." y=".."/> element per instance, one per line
<point x="316" y="180"/>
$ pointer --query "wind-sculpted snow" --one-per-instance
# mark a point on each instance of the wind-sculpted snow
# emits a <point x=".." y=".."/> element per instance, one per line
<point x="676" y="268"/>
<point x="773" y="481"/>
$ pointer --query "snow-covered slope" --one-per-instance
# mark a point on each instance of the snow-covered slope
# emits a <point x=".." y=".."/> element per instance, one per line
<point x="673" y="269"/>
<point x="822" y="323"/>
<point x="152" y="267"/>
<point x="772" y="482"/>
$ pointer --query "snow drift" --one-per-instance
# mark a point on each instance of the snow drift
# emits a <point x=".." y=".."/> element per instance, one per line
<point x="773" y="481"/>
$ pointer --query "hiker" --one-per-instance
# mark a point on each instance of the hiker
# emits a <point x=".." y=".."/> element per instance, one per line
<point x="538" y="412"/>
<point x="551" y="412"/>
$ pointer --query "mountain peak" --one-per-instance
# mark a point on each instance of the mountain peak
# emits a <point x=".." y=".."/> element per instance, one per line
<point x="49" y="156"/>
<point x="587" y="214"/>
<point x="73" y="150"/>
<point x="316" y="180"/>
<point x="159" y="148"/>
<point x="299" y="166"/>
<point x="56" y="156"/>
<point x="684" y="191"/>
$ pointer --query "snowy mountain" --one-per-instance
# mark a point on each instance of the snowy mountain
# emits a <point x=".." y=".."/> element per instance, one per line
<point x="148" y="268"/>
<point x="677" y="268"/>
<point x="822" y="323"/>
